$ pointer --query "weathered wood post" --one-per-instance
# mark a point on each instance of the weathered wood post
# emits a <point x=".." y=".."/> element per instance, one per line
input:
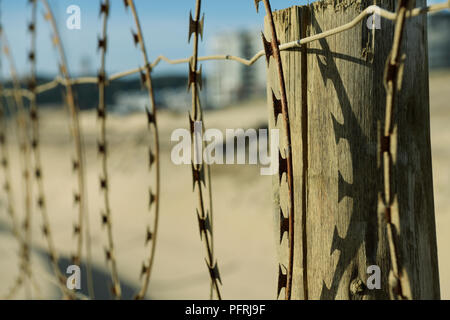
<point x="336" y="102"/>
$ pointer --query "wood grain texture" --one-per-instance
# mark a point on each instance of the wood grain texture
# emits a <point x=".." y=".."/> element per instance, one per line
<point x="336" y="107"/>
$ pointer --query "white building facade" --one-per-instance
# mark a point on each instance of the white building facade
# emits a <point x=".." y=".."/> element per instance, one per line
<point x="230" y="81"/>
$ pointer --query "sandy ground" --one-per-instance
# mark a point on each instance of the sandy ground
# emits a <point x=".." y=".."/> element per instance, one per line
<point x="244" y="240"/>
<point x="440" y="144"/>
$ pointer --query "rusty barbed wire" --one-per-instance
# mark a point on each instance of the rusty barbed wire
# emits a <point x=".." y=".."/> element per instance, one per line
<point x="285" y="164"/>
<point x="248" y="62"/>
<point x="104" y="178"/>
<point x="5" y="164"/>
<point x="399" y="285"/>
<point x="200" y="169"/>
<point x="153" y="153"/>
<point x="5" y="109"/>
<point x="35" y="146"/>
<point x="80" y="196"/>
<point x="24" y="147"/>
<point x="7" y="187"/>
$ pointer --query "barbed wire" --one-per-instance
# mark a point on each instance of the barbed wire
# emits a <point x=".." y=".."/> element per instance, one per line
<point x="5" y="109"/>
<point x="201" y="174"/>
<point x="280" y="106"/>
<point x="24" y="148"/>
<point x="153" y="153"/>
<point x="106" y="216"/>
<point x="35" y="146"/>
<point x="80" y="196"/>
<point x="399" y="285"/>
<point x="8" y="188"/>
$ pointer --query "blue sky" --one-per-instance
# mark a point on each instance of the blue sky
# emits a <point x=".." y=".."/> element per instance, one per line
<point x="164" y="23"/>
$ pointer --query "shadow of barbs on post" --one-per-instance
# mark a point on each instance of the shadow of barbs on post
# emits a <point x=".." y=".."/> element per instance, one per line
<point x="362" y="229"/>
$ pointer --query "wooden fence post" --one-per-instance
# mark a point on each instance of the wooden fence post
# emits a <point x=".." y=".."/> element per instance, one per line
<point x="336" y="100"/>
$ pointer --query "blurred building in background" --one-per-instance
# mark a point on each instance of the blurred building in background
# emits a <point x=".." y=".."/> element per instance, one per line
<point x="174" y="98"/>
<point x="130" y="101"/>
<point x="439" y="40"/>
<point x="230" y="81"/>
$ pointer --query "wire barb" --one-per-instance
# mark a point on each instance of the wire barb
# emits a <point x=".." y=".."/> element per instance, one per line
<point x="257" y="5"/>
<point x="277" y="107"/>
<point x="284" y="225"/>
<point x="195" y="27"/>
<point x="282" y="280"/>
